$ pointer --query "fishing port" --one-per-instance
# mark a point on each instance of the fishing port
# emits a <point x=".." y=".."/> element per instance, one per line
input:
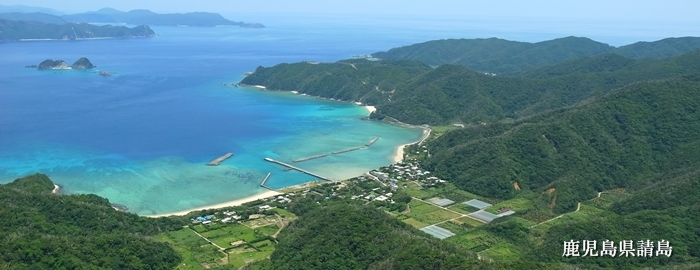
<point x="298" y="169"/>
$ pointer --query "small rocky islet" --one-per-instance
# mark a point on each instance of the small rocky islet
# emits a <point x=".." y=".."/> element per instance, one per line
<point x="82" y="63"/>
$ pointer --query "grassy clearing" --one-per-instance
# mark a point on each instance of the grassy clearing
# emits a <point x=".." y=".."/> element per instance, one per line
<point x="415" y="223"/>
<point x="244" y="255"/>
<point x="607" y="198"/>
<point x="233" y="231"/>
<point x="586" y="213"/>
<point x="516" y="204"/>
<point x="428" y="213"/>
<point x="467" y="221"/>
<point x="195" y="251"/>
<point x="284" y="213"/>
<point x="476" y="240"/>
<point x="502" y="252"/>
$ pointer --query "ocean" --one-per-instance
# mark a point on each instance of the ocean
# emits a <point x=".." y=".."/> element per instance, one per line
<point x="142" y="137"/>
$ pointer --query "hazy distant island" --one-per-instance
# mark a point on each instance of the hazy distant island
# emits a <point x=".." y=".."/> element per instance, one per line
<point x="33" y="30"/>
<point x="82" y="63"/>
<point x="134" y="17"/>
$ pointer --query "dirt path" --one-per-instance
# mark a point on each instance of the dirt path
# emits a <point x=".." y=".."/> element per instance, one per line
<point x="220" y="248"/>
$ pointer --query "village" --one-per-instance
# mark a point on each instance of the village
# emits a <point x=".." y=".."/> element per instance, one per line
<point x="243" y="234"/>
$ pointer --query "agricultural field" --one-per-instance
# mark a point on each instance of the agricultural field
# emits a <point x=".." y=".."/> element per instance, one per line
<point x="241" y="242"/>
<point x="428" y="213"/>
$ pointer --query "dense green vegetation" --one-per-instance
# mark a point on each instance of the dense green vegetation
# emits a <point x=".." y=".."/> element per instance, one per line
<point x="414" y="93"/>
<point x="545" y="143"/>
<point x="82" y="63"/>
<point x="347" y="236"/>
<point x="503" y="56"/>
<point x="632" y="138"/>
<point x="16" y="30"/>
<point x="41" y="230"/>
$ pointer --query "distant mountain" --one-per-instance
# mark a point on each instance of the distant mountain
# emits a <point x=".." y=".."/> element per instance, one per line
<point x="28" y="9"/>
<point x="18" y="30"/>
<point x="32" y="17"/>
<point x="143" y="16"/>
<point x="510" y="57"/>
<point x="659" y="49"/>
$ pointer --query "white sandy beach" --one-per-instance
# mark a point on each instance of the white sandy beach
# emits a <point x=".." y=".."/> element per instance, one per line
<point x="398" y="156"/>
<point x="259" y="196"/>
<point x="371" y="109"/>
<point x="56" y="188"/>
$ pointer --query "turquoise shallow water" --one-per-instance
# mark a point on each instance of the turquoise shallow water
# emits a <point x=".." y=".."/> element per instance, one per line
<point x="141" y="137"/>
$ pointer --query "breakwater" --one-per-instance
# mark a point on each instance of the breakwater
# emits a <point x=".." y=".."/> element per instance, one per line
<point x="348" y="150"/>
<point x="262" y="184"/>
<point x="372" y="141"/>
<point x="297" y="168"/>
<point x="309" y="158"/>
<point x="220" y="159"/>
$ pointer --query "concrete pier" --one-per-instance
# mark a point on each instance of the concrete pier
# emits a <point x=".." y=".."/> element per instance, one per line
<point x="297" y="168"/>
<point x="262" y="184"/>
<point x="309" y="158"/>
<point x="348" y="150"/>
<point x="220" y="159"/>
<point x="372" y="141"/>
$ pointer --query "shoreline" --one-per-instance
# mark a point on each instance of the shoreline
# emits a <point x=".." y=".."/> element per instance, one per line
<point x="56" y="189"/>
<point x="370" y="109"/>
<point x="399" y="153"/>
<point x="262" y="195"/>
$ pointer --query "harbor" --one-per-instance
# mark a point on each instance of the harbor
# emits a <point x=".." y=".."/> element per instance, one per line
<point x="220" y="159"/>
<point x="298" y="169"/>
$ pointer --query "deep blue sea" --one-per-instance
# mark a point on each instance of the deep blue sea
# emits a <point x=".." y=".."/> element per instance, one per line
<point x="142" y="136"/>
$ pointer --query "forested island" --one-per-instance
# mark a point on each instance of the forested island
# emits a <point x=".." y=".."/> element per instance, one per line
<point x="31" y="30"/>
<point x="133" y="17"/>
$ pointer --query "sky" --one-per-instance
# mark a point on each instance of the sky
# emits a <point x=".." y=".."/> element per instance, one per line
<point x="606" y="10"/>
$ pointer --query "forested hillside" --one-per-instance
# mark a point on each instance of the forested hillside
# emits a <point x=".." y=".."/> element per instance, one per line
<point x="510" y="57"/>
<point x="41" y="230"/>
<point x="345" y="235"/>
<point x="629" y="139"/>
<point x="414" y="93"/>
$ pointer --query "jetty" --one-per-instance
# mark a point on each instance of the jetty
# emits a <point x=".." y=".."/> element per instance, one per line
<point x="220" y="159"/>
<point x="372" y="141"/>
<point x="297" y="168"/>
<point x="348" y="150"/>
<point x="265" y="180"/>
<point x="309" y="158"/>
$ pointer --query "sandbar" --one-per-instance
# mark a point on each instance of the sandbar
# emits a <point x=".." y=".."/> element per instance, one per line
<point x="258" y="196"/>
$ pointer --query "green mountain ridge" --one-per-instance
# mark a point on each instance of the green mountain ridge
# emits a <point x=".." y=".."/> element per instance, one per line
<point x="18" y="30"/>
<point x="414" y="93"/>
<point x="629" y="139"/>
<point x="510" y="57"/>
